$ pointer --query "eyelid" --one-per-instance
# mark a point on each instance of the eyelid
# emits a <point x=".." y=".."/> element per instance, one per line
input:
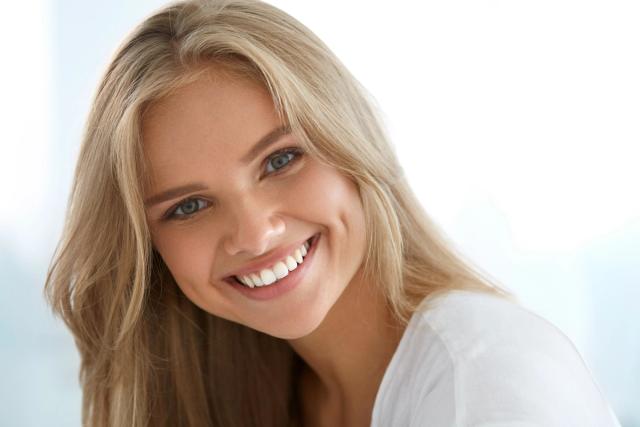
<point x="295" y="150"/>
<point x="169" y="215"/>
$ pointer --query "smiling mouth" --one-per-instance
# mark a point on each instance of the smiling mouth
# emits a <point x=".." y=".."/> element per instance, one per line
<point x="281" y="269"/>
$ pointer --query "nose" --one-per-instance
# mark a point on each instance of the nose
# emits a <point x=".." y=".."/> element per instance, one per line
<point x="253" y="227"/>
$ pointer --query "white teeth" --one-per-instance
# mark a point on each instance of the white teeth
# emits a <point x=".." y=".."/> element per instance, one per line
<point x="291" y="263"/>
<point x="247" y="281"/>
<point x="280" y="270"/>
<point x="256" y="280"/>
<point x="267" y="276"/>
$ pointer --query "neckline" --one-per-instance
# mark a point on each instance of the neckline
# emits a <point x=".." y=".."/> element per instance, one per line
<point x="391" y="367"/>
<point x="422" y="308"/>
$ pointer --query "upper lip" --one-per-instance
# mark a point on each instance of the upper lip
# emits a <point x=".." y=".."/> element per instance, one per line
<point x="266" y="261"/>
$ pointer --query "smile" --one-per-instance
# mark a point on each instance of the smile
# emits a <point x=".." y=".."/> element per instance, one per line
<point x="279" y="270"/>
<point x="282" y="277"/>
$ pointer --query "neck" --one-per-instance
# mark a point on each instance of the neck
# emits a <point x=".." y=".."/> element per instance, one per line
<point x="347" y="355"/>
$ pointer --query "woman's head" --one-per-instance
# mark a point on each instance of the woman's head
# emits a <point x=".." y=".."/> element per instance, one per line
<point x="216" y="47"/>
<point x="248" y="196"/>
<point x="184" y="99"/>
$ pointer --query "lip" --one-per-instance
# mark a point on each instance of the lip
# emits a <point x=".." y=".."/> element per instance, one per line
<point x="283" y="285"/>
<point x="267" y="262"/>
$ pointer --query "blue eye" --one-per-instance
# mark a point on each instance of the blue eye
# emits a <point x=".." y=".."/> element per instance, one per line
<point x="281" y="159"/>
<point x="187" y="208"/>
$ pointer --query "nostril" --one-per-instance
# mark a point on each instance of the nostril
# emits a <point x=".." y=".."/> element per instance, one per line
<point x="252" y="230"/>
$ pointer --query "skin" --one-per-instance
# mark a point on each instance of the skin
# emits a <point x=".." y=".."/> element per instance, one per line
<point x="334" y="320"/>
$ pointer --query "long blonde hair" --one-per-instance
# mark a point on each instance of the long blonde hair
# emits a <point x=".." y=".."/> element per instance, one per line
<point x="148" y="355"/>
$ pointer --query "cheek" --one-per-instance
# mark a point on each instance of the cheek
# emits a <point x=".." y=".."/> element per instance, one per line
<point x="185" y="254"/>
<point x="327" y="194"/>
<point x="327" y="198"/>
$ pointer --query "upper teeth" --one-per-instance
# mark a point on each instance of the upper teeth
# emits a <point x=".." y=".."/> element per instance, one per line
<point x="279" y="270"/>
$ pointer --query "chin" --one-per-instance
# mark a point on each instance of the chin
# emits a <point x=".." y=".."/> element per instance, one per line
<point x="293" y="329"/>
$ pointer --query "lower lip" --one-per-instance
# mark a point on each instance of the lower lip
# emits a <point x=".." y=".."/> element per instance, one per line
<point x="283" y="285"/>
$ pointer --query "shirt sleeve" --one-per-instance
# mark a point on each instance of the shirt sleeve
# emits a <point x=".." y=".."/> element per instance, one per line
<point x="521" y="372"/>
<point x="473" y="360"/>
<point x="508" y="387"/>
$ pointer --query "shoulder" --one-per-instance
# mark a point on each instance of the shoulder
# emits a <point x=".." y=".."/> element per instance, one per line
<point x="474" y="324"/>
<point x="478" y="359"/>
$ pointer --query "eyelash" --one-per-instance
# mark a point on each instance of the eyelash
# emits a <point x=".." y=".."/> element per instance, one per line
<point x="294" y="153"/>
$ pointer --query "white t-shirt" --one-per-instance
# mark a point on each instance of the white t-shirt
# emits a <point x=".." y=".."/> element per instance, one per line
<point x="477" y="360"/>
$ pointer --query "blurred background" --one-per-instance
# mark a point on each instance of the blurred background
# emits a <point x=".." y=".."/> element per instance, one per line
<point x="518" y="124"/>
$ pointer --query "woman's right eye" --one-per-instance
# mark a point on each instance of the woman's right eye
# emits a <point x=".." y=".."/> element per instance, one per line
<point x="186" y="209"/>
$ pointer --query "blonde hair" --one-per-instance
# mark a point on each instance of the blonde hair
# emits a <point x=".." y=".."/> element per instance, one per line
<point x="149" y="355"/>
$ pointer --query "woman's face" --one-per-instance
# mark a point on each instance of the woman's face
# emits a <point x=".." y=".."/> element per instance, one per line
<point x="232" y="194"/>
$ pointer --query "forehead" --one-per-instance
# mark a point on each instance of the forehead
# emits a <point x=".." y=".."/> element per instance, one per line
<point x="214" y="118"/>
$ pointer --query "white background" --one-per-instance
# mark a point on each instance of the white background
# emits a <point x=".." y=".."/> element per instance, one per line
<point x="518" y="125"/>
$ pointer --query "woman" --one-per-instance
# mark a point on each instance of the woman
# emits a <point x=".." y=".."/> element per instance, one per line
<point x="242" y="248"/>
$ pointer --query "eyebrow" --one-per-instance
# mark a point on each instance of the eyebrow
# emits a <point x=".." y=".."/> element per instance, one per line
<point x="258" y="148"/>
<point x="264" y="142"/>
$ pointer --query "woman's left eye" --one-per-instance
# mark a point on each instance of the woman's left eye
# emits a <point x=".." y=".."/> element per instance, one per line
<point x="281" y="159"/>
